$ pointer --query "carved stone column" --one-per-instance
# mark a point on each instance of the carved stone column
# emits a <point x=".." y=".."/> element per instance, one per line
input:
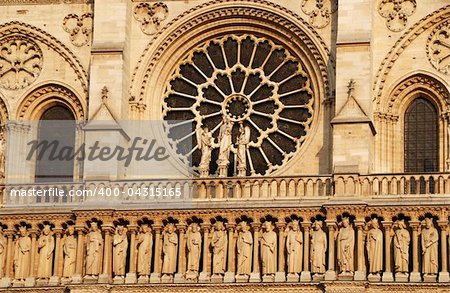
<point x="230" y="274"/>
<point x="106" y="276"/>
<point x="415" y="275"/>
<point x="306" y="274"/>
<point x="205" y="275"/>
<point x="79" y="266"/>
<point x="387" y="274"/>
<point x="255" y="276"/>
<point x="179" y="276"/>
<point x="280" y="276"/>
<point x="6" y="280"/>
<point x="360" y="274"/>
<point x="330" y="275"/>
<point x="58" y="262"/>
<point x="155" y="277"/>
<point x="31" y="280"/>
<point x="131" y="277"/>
<point x="443" y="274"/>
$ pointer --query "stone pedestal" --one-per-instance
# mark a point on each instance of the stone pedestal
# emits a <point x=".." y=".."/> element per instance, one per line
<point x="388" y="277"/>
<point x="444" y="277"/>
<point x="415" y="277"/>
<point x="54" y="281"/>
<point x="255" y="278"/>
<point x="17" y="283"/>
<point x="216" y="278"/>
<point x="293" y="278"/>
<point x="166" y="278"/>
<point x="268" y="278"/>
<point x="229" y="277"/>
<point x="330" y="276"/>
<point x="155" y="278"/>
<point x="5" y="282"/>
<point x="143" y="280"/>
<point x="41" y="282"/>
<point x="76" y="279"/>
<point x="30" y="282"/>
<point x="179" y="278"/>
<point x="345" y="276"/>
<point x="131" y="278"/>
<point x="104" y="279"/>
<point x="90" y="279"/>
<point x="242" y="278"/>
<point x="360" y="276"/>
<point x="305" y="276"/>
<point x="280" y="277"/>
<point x="401" y="277"/>
<point x="318" y="277"/>
<point x="374" y="278"/>
<point x="118" y="280"/>
<point x="429" y="278"/>
<point x="204" y="277"/>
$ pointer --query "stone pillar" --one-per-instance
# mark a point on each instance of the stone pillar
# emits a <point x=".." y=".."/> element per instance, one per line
<point x="58" y="262"/>
<point x="230" y="274"/>
<point x="330" y="275"/>
<point x="387" y="275"/>
<point x="6" y="280"/>
<point x="443" y="274"/>
<point x="179" y="277"/>
<point x="255" y="276"/>
<point x="360" y="274"/>
<point x="415" y="275"/>
<point x="306" y="274"/>
<point x="106" y="276"/>
<point x="79" y="266"/>
<point x="131" y="277"/>
<point x="155" y="277"/>
<point x="205" y="275"/>
<point x="280" y="276"/>
<point x="31" y="280"/>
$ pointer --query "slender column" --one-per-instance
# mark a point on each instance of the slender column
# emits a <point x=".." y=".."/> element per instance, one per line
<point x="131" y="275"/>
<point x="230" y="274"/>
<point x="360" y="274"/>
<point x="280" y="276"/>
<point x="306" y="274"/>
<point x="330" y="275"/>
<point x="206" y="272"/>
<point x="105" y="277"/>
<point x="9" y="255"/>
<point x="443" y="274"/>
<point x="387" y="275"/>
<point x="155" y="277"/>
<point x="77" y="278"/>
<point x="255" y="276"/>
<point x="179" y="277"/>
<point x="415" y="275"/>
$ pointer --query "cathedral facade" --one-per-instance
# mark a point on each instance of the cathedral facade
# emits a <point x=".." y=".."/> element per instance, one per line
<point x="278" y="145"/>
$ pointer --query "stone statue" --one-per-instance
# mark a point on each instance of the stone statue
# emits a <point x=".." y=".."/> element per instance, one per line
<point x="170" y="248"/>
<point x="244" y="249"/>
<point x="194" y="247"/>
<point x="374" y="246"/>
<point x="70" y="252"/>
<point x="401" y="247"/>
<point x="268" y="249"/>
<point x="241" y="155"/>
<point x="318" y="248"/>
<point x="2" y="155"/>
<point x="294" y="248"/>
<point x="345" y="246"/>
<point x="3" y="250"/>
<point x="94" y="251"/>
<point x="22" y="255"/>
<point x="46" y="246"/>
<point x="120" y="246"/>
<point x="219" y="244"/>
<point x="225" y="144"/>
<point x="144" y="250"/>
<point x="205" y="144"/>
<point x="430" y="239"/>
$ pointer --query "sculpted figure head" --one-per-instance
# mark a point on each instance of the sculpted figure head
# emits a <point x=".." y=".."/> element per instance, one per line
<point x="317" y="225"/>
<point x="244" y="226"/>
<point x="23" y="231"/>
<point x="268" y="226"/>
<point x="120" y="229"/>
<point x="145" y="228"/>
<point x="401" y="224"/>
<point x="219" y="226"/>
<point x="46" y="231"/>
<point x="170" y="228"/>
<point x="71" y="230"/>
<point x="428" y="223"/>
<point x="94" y="226"/>
<point x="295" y="226"/>
<point x="345" y="222"/>
<point x="374" y="223"/>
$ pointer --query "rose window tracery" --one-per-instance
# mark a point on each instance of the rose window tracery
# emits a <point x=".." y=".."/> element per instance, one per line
<point x="20" y="62"/>
<point x="438" y="47"/>
<point x="249" y="82"/>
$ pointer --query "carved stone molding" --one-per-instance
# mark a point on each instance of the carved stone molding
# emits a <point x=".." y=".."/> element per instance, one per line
<point x="438" y="47"/>
<point x="79" y="28"/>
<point x="43" y="2"/>
<point x="319" y="12"/>
<point x="150" y="16"/>
<point x="20" y="62"/>
<point x="396" y="13"/>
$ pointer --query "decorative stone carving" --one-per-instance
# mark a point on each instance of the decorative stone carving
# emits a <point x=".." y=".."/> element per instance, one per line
<point x="46" y="246"/>
<point x="194" y="246"/>
<point x="94" y="251"/>
<point x="401" y="247"/>
<point x="150" y="16"/>
<point x="22" y="254"/>
<point x="20" y="62"/>
<point x="438" y="47"/>
<point x="318" y="248"/>
<point x="69" y="244"/>
<point x="241" y="154"/>
<point x="2" y="154"/>
<point x="144" y="250"/>
<point x="225" y="145"/>
<point x="396" y="13"/>
<point x="3" y="251"/>
<point x="346" y="246"/>
<point x="219" y="242"/>
<point x="170" y="248"/>
<point x="294" y="248"/>
<point x="430" y="238"/>
<point x="120" y="246"/>
<point x="374" y="246"/>
<point x="79" y="28"/>
<point x="244" y="249"/>
<point x="205" y="144"/>
<point x="319" y="12"/>
<point x="268" y="249"/>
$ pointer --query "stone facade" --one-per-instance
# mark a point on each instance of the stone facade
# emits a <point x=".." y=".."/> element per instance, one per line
<point x="299" y="181"/>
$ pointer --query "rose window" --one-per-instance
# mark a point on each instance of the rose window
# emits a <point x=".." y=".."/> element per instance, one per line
<point x="248" y="81"/>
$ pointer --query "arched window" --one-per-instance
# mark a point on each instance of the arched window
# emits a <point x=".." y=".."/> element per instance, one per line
<point x="421" y="137"/>
<point x="56" y="130"/>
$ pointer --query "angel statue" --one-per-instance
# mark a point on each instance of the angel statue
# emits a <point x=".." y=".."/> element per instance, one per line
<point x="205" y="143"/>
<point x="225" y="146"/>
<point x="242" y="142"/>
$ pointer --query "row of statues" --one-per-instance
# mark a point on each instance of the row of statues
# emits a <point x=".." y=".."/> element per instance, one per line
<point x="247" y="250"/>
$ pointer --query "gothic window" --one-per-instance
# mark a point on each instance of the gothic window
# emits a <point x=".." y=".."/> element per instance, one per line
<point x="421" y="137"/>
<point x="56" y="128"/>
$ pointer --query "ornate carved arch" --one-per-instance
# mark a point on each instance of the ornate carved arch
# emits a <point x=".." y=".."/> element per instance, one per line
<point x="23" y="29"/>
<point x="4" y="116"/>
